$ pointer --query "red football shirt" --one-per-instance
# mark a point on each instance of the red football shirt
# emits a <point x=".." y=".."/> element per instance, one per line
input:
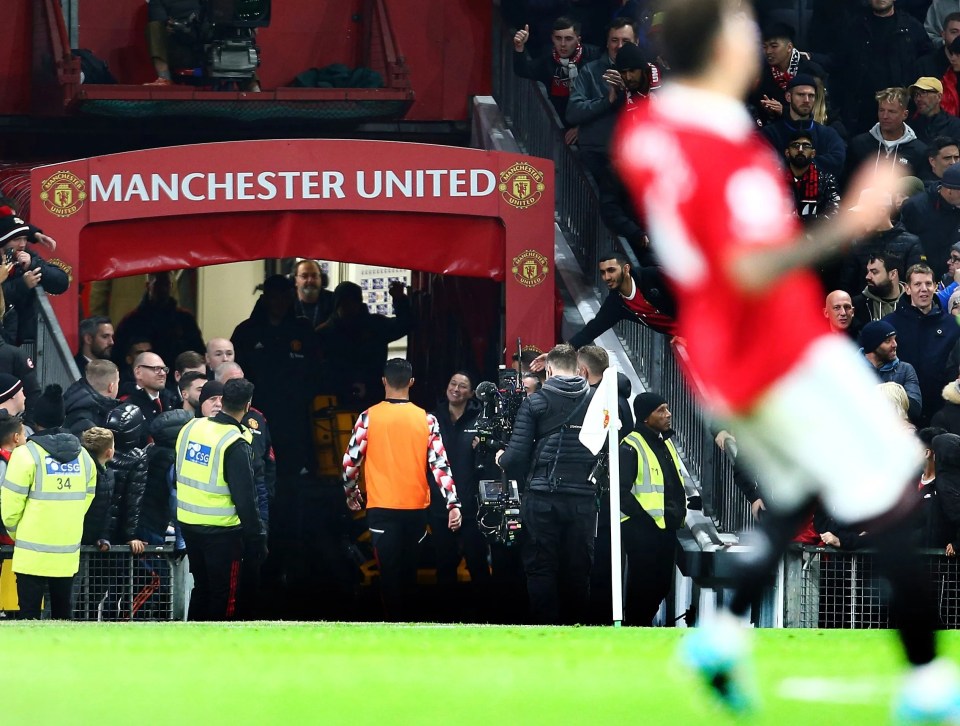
<point x="710" y="188"/>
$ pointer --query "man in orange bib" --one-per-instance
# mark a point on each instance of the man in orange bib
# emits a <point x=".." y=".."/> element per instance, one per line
<point x="394" y="437"/>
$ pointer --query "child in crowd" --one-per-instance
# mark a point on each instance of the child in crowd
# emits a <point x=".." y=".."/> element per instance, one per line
<point x="96" y="525"/>
<point x="129" y="465"/>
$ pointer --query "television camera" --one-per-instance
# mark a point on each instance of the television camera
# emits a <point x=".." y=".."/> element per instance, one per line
<point x="499" y="514"/>
<point x="223" y="32"/>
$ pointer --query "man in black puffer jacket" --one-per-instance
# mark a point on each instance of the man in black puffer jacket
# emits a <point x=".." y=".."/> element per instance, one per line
<point x="129" y="467"/>
<point x="89" y="400"/>
<point x="159" y="507"/>
<point x="559" y="507"/>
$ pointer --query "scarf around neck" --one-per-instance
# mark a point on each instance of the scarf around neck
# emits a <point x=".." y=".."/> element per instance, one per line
<point x="782" y="78"/>
<point x="566" y="72"/>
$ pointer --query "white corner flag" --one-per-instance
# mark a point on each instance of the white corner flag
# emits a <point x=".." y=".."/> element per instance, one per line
<point x="600" y="416"/>
<point x="601" y="425"/>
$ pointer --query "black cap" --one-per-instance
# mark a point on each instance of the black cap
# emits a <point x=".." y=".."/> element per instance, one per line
<point x="48" y="410"/>
<point x="951" y="177"/>
<point x="11" y="225"/>
<point x="630" y="58"/>
<point x="9" y="385"/>
<point x="954" y="47"/>
<point x="801" y="79"/>
<point x="209" y="390"/>
<point x="874" y="333"/>
<point x="645" y="404"/>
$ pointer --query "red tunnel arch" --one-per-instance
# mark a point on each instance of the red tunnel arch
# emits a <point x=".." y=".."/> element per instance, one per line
<point x="432" y="208"/>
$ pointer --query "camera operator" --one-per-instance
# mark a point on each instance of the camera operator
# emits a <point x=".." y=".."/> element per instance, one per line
<point x="457" y="416"/>
<point x="172" y="37"/>
<point x="558" y="507"/>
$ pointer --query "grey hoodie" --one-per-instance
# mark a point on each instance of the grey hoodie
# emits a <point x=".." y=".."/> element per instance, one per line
<point x="892" y="147"/>
<point x="933" y="24"/>
<point x="878" y="306"/>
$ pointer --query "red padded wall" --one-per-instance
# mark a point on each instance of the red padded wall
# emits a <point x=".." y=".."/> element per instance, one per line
<point x="15" y="57"/>
<point x="446" y="44"/>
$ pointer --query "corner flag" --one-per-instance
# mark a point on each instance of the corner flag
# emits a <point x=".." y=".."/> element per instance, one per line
<point x="600" y="416"/>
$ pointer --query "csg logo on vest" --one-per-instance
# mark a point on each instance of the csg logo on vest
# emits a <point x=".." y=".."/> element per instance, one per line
<point x="198" y="453"/>
<point x="62" y="468"/>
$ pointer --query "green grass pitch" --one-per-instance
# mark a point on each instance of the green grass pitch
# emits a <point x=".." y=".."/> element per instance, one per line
<point x="293" y="673"/>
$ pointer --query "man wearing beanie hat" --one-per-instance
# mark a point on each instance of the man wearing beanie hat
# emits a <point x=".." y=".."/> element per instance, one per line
<point x="15" y="362"/>
<point x="637" y="75"/>
<point x="210" y="401"/>
<point x="49" y="484"/>
<point x="878" y="343"/>
<point x="801" y="97"/>
<point x="28" y="271"/>
<point x="12" y="398"/>
<point x="594" y="93"/>
<point x="558" y="506"/>
<point x="653" y="506"/>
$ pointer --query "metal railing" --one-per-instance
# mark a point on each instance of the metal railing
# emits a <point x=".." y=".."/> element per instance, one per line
<point x="538" y="129"/>
<point x="120" y="586"/>
<point x="50" y="352"/>
<point x="828" y="588"/>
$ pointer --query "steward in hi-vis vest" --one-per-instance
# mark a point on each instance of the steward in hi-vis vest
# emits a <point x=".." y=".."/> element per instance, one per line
<point x="652" y="507"/>
<point x="48" y="486"/>
<point x="217" y="503"/>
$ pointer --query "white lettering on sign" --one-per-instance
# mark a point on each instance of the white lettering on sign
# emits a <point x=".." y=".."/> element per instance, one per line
<point x="198" y="186"/>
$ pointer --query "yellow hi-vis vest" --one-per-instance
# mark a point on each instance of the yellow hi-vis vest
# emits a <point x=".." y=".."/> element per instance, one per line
<point x="44" y="502"/>
<point x="203" y="496"/>
<point x="648" y="486"/>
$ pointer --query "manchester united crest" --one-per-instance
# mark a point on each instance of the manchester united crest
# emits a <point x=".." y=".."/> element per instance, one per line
<point x="63" y="193"/>
<point x="529" y="268"/>
<point x="521" y="185"/>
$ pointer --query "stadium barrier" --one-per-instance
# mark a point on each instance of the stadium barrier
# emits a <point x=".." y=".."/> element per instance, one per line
<point x="829" y="588"/>
<point x="120" y="586"/>
<point x="536" y="126"/>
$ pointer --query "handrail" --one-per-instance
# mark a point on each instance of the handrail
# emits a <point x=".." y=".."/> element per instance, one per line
<point x="53" y="358"/>
<point x="538" y="129"/>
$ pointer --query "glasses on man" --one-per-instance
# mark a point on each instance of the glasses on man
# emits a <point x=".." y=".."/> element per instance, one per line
<point x="800" y="146"/>
<point x="156" y="369"/>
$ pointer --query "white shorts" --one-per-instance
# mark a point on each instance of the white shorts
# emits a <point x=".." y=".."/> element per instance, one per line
<point x="825" y="430"/>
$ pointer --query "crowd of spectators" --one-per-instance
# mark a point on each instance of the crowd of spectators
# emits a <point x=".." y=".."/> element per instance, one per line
<point x="843" y="85"/>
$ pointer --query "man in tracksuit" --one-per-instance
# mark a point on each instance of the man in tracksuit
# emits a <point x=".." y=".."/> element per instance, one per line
<point x="217" y="503"/>
<point x="396" y="438"/>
